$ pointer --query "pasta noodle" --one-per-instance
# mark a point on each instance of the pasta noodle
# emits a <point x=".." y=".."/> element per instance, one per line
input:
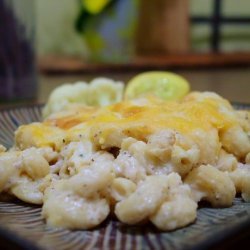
<point x="144" y="160"/>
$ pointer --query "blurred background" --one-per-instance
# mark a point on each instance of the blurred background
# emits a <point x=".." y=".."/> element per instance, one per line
<point x="56" y="24"/>
<point x="206" y="41"/>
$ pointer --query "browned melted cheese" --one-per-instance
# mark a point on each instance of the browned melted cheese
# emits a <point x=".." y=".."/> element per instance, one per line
<point x="137" y="120"/>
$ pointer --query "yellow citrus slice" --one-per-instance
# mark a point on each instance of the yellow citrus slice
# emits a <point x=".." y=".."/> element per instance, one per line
<point x="166" y="85"/>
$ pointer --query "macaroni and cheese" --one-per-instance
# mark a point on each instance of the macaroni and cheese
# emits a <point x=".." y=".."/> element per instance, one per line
<point x="141" y="160"/>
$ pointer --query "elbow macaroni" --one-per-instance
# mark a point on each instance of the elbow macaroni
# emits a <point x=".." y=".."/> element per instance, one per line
<point x="121" y="188"/>
<point x="144" y="160"/>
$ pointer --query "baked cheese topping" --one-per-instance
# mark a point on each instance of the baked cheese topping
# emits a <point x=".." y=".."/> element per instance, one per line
<point x="137" y="119"/>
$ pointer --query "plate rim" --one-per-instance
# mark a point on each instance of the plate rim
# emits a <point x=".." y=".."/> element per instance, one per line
<point x="42" y="104"/>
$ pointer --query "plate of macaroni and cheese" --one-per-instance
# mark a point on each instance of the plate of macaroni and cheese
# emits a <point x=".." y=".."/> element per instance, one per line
<point x="115" y="173"/>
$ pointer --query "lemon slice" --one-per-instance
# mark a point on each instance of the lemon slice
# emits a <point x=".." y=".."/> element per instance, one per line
<point x="166" y="85"/>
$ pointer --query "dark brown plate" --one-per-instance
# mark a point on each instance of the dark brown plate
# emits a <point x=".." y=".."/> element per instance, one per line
<point x="22" y="227"/>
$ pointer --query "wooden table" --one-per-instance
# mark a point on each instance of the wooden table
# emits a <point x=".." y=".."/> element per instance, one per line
<point x="232" y="83"/>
